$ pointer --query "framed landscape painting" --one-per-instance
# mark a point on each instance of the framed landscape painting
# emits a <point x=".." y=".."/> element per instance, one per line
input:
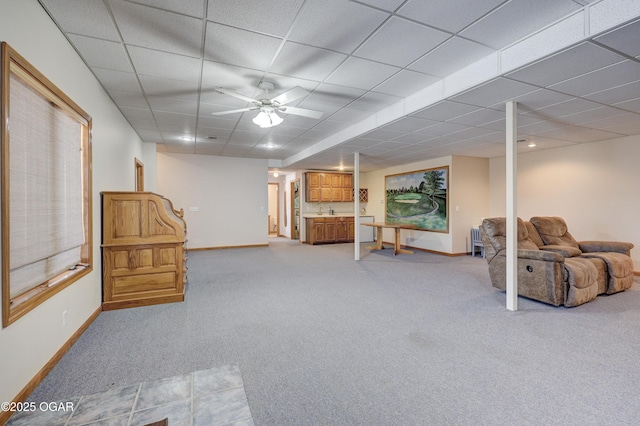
<point x="419" y="198"/>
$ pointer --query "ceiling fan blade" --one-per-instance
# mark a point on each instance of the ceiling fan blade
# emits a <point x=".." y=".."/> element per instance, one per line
<point x="290" y="95"/>
<point x="301" y="111"/>
<point x="233" y="111"/>
<point x="235" y="95"/>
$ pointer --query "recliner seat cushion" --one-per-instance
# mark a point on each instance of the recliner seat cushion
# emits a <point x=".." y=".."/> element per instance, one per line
<point x="619" y="268"/>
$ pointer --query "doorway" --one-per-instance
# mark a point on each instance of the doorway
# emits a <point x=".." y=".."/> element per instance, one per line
<point x="273" y="223"/>
<point x="295" y="209"/>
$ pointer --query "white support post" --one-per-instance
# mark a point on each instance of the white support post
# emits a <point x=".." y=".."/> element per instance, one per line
<point x="512" y="214"/>
<point x="356" y="204"/>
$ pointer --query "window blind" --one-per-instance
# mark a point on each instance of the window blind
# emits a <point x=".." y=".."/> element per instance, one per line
<point x="46" y="217"/>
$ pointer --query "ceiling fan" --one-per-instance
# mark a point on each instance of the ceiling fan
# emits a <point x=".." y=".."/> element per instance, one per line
<point x="267" y="116"/>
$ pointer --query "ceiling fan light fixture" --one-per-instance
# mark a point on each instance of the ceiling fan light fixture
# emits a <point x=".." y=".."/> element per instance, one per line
<point x="266" y="119"/>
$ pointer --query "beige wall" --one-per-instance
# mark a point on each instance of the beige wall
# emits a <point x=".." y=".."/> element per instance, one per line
<point x="593" y="186"/>
<point x="31" y="341"/>
<point x="230" y="195"/>
<point x="468" y="201"/>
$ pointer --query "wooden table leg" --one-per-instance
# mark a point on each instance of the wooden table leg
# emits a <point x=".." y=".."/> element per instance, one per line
<point x="378" y="245"/>
<point x="397" y="249"/>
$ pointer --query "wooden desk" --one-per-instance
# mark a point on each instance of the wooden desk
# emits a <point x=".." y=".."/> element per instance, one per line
<point x="397" y="226"/>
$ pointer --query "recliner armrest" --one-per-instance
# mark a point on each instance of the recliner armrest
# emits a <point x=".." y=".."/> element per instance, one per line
<point x="605" y="246"/>
<point x="565" y="251"/>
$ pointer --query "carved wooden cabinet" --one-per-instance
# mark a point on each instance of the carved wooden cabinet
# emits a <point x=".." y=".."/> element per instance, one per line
<point x="143" y="250"/>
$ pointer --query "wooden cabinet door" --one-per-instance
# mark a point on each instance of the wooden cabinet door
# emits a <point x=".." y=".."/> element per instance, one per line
<point x="313" y="179"/>
<point x="318" y="235"/>
<point x="347" y="194"/>
<point x="342" y="231"/>
<point x="351" y="228"/>
<point x="325" y="180"/>
<point x="336" y="180"/>
<point x="313" y="194"/>
<point x="325" y="194"/>
<point x="330" y="230"/>
<point x="347" y="181"/>
<point x="336" y="194"/>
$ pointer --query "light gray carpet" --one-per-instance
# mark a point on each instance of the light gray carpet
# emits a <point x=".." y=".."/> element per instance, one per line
<point x="409" y="340"/>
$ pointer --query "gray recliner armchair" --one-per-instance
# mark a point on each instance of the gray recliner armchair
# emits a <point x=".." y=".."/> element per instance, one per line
<point x="545" y="276"/>
<point x="611" y="258"/>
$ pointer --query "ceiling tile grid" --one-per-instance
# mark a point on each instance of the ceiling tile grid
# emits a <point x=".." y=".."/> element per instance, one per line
<point x="161" y="61"/>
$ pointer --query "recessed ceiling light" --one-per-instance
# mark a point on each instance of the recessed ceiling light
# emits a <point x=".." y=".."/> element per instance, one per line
<point x="212" y="137"/>
<point x="186" y="138"/>
<point x="270" y="145"/>
<point x="531" y="144"/>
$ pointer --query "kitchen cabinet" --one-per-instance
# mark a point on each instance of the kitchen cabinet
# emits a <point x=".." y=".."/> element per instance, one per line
<point x="328" y="187"/>
<point x="330" y="230"/>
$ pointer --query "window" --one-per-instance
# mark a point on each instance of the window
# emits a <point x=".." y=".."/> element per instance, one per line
<point x="46" y="188"/>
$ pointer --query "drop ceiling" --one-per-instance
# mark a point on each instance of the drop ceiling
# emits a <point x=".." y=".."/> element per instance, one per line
<point x="397" y="80"/>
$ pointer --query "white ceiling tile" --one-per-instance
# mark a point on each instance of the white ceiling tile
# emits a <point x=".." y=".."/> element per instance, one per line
<point x="88" y="17"/>
<point x="492" y="92"/>
<point x="166" y="65"/>
<point x="273" y="18"/>
<point x="209" y="123"/>
<point x="187" y="7"/>
<point x="395" y="42"/>
<point x="156" y="86"/>
<point x="158" y="29"/>
<point x="179" y="106"/>
<point x="149" y="135"/>
<point x="442" y="129"/>
<point x="444" y="110"/>
<point x="128" y="99"/>
<point x="118" y="80"/>
<point x="563" y="108"/>
<point x="361" y="73"/>
<point x="388" y="5"/>
<point x="139" y="125"/>
<point x="617" y="94"/>
<point x="102" y="53"/>
<point x="306" y="62"/>
<point x="238" y="47"/>
<point x="623" y="39"/>
<point x="578" y="60"/>
<point x="613" y="75"/>
<point x="516" y="19"/>
<point x="632" y="105"/>
<point x="535" y="100"/>
<point x="242" y="80"/>
<point x="450" y="56"/>
<point x="579" y="134"/>
<point x="409" y="124"/>
<point x="137" y="113"/>
<point x="601" y="118"/>
<point x="479" y="117"/>
<point x="450" y="15"/>
<point x="382" y="134"/>
<point x="283" y="83"/>
<point x="350" y="115"/>
<point x="338" y="25"/>
<point x="372" y="101"/>
<point x="405" y="83"/>
<point x="335" y="95"/>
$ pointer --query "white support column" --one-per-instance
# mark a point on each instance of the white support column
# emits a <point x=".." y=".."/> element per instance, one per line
<point x="356" y="204"/>
<point x="512" y="214"/>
